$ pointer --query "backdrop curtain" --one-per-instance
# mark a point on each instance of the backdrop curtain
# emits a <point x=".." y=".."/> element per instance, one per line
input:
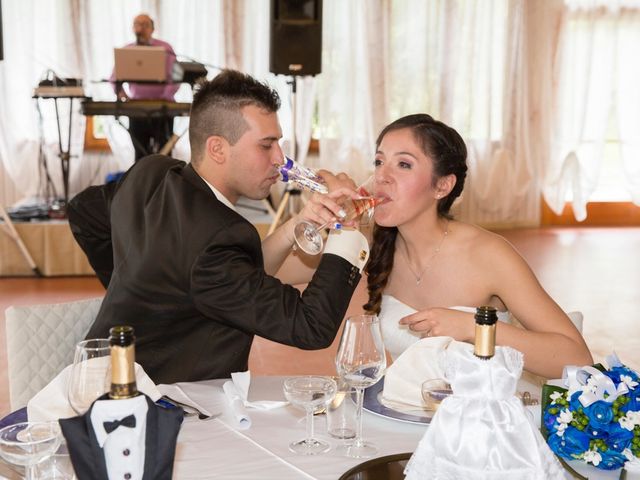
<point x="529" y="85"/>
<point x="595" y="82"/>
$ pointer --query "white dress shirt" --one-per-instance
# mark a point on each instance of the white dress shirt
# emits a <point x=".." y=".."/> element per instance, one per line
<point x="124" y="447"/>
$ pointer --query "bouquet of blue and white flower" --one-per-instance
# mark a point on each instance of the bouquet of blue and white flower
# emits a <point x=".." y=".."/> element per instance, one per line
<point x="597" y="418"/>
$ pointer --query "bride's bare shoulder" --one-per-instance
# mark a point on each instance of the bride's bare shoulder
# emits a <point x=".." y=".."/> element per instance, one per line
<point x="480" y="240"/>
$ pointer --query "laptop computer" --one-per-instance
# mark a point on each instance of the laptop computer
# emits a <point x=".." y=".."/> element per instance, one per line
<point x="143" y="64"/>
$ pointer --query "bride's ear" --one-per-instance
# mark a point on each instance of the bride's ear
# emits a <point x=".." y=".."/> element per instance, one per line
<point x="445" y="185"/>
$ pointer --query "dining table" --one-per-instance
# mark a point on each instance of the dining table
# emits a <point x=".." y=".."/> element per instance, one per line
<point x="216" y="448"/>
<point x="219" y="447"/>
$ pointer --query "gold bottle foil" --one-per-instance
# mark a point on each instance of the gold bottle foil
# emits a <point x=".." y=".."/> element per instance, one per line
<point x="485" y="343"/>
<point x="123" y="376"/>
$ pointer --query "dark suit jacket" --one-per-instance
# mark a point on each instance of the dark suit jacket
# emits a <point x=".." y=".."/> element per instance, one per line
<point x="163" y="426"/>
<point x="188" y="275"/>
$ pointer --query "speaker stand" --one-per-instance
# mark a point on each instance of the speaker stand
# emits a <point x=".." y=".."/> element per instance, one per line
<point x="290" y="192"/>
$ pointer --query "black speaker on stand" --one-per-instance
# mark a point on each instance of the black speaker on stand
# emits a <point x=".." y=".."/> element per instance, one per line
<point x="295" y="44"/>
<point x="295" y="48"/>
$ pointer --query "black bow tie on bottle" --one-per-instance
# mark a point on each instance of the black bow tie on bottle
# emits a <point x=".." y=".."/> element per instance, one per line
<point x="128" y="421"/>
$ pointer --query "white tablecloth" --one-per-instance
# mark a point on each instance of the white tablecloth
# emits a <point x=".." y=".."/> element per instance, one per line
<point x="215" y="449"/>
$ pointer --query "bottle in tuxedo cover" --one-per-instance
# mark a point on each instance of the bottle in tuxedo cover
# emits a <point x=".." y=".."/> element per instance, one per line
<point x="485" y="341"/>
<point x="123" y="375"/>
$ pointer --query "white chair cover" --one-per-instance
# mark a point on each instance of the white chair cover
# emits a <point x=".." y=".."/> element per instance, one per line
<point x="41" y="340"/>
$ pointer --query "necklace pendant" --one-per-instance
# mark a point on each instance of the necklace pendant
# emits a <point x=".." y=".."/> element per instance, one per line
<point x="418" y="280"/>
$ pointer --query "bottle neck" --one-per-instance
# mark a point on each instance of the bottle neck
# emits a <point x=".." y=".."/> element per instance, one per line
<point x="485" y="342"/>
<point x="123" y="376"/>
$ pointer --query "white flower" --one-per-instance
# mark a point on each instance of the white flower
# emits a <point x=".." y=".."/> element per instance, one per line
<point x="554" y="397"/>
<point x="592" y="456"/>
<point x="565" y="416"/>
<point x="628" y="381"/>
<point x="634" y="417"/>
<point x="561" y="428"/>
<point x="629" y="455"/>
<point x="626" y="422"/>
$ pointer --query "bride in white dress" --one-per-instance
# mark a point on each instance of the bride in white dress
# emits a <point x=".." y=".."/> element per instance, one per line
<point x="423" y="263"/>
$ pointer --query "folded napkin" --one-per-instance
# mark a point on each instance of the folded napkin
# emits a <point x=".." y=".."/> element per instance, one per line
<point x="403" y="379"/>
<point x="237" y="393"/>
<point x="52" y="402"/>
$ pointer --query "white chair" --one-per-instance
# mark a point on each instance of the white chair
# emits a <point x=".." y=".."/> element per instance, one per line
<point x="577" y="319"/>
<point x="41" y="341"/>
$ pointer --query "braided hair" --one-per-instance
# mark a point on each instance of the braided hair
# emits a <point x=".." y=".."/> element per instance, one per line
<point x="448" y="152"/>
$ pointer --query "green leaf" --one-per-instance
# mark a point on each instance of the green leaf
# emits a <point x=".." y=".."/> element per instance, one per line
<point x="547" y="390"/>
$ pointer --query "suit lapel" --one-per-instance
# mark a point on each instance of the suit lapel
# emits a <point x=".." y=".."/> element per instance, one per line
<point x="151" y="441"/>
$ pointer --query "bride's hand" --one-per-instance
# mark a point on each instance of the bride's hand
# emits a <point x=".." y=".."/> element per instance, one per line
<point x="437" y="322"/>
<point x="321" y="209"/>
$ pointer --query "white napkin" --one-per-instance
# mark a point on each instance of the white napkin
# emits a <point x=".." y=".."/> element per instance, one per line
<point x="52" y="402"/>
<point x="632" y="467"/>
<point x="237" y="392"/>
<point x="403" y="379"/>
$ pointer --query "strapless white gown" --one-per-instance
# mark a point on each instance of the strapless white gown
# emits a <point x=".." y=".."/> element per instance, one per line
<point x="397" y="338"/>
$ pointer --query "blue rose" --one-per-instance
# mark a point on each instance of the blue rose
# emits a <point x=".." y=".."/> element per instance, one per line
<point x="619" y="438"/>
<point x="571" y="445"/>
<point x="611" y="460"/>
<point x="574" y="403"/>
<point x="600" y="415"/>
<point x="616" y="372"/>
<point x="633" y="405"/>
<point x="549" y="419"/>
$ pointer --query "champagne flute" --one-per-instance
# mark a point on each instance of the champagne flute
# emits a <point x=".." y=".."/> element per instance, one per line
<point x="28" y="444"/>
<point x="309" y="393"/>
<point x="303" y="177"/>
<point x="361" y="362"/>
<point x="308" y="236"/>
<point x="90" y="374"/>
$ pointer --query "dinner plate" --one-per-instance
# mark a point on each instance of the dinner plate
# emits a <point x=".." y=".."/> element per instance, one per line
<point x="389" y="467"/>
<point x="372" y="403"/>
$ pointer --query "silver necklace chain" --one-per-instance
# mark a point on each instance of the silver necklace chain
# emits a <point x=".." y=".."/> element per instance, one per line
<point x="405" y="252"/>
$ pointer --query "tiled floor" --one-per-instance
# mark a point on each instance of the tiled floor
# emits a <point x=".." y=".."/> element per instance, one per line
<point x="588" y="269"/>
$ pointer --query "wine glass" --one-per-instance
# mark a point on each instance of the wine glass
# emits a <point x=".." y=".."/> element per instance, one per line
<point x="308" y="236"/>
<point x="309" y="393"/>
<point x="361" y="361"/>
<point x="28" y="443"/>
<point x="90" y="374"/>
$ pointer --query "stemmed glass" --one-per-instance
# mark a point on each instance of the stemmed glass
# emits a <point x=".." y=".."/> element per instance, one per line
<point x="309" y="393"/>
<point x="361" y="361"/>
<point x="90" y="374"/>
<point x="308" y="236"/>
<point x="28" y="443"/>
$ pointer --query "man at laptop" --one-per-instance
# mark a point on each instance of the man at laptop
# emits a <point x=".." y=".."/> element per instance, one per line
<point x="149" y="134"/>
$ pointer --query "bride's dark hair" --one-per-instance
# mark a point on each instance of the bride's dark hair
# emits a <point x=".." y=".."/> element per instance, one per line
<point x="448" y="152"/>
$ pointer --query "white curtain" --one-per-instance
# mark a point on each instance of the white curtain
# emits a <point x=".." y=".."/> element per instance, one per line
<point x="351" y="87"/>
<point x="529" y="86"/>
<point x="32" y="47"/>
<point x="463" y="62"/>
<point x="597" y="71"/>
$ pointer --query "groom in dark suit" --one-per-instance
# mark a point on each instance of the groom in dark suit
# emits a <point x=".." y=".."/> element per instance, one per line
<point x="187" y="271"/>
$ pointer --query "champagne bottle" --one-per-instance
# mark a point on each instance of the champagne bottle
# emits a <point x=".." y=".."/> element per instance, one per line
<point x="123" y="375"/>
<point x="485" y="341"/>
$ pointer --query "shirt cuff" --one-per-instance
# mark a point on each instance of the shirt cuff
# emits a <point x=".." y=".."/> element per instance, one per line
<point x="349" y="244"/>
